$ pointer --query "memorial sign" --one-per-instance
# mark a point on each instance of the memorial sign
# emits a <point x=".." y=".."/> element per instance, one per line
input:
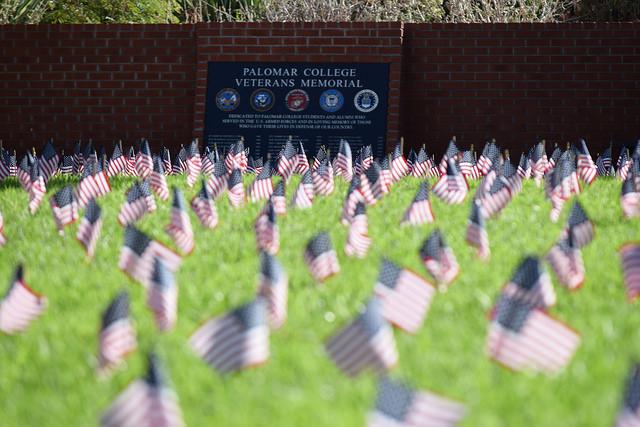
<point x="316" y="103"/>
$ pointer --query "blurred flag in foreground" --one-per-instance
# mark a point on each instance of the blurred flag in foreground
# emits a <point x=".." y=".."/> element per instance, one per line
<point x="236" y="340"/>
<point x="147" y="402"/>
<point x="398" y="405"/>
<point x="20" y="305"/>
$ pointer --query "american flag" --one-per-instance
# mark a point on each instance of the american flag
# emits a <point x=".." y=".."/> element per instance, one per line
<point x="358" y="240"/>
<point x="64" y="207"/>
<point x="398" y="405"/>
<point x="236" y="157"/>
<point x="179" y="167"/>
<point x="157" y="179"/>
<point x="261" y="187"/>
<point x="602" y="170"/>
<point x="20" y="305"/>
<point x="367" y="343"/>
<point x="630" y="256"/>
<point x="266" y="229"/>
<point x="139" y="202"/>
<point x="468" y="166"/>
<point x="3" y="238"/>
<point x="344" y="161"/>
<point x="254" y="166"/>
<point x="118" y="163"/>
<point x="354" y="196"/>
<point x="587" y="170"/>
<point x="166" y="161"/>
<point x="606" y="158"/>
<point x="49" y="160"/>
<point x="302" y="165"/>
<point x="148" y="402"/>
<point x="566" y="261"/>
<point x="117" y="337"/>
<point x="236" y="340"/>
<point x="630" y="198"/>
<point x="4" y="167"/>
<point x="235" y="189"/>
<point x="208" y="160"/>
<point x="524" y="167"/>
<point x="386" y="180"/>
<point x="321" y="258"/>
<point x="555" y="156"/>
<point x="531" y="284"/>
<point x="399" y="166"/>
<point x="278" y="199"/>
<point x="179" y="229"/>
<point x="322" y="177"/>
<point x="451" y="154"/>
<point x="490" y="155"/>
<point x="421" y="165"/>
<point x="404" y="295"/>
<point x="138" y="254"/>
<point x="367" y="157"/>
<point x="162" y="296"/>
<point x="23" y="172"/>
<point x="476" y="233"/>
<point x="438" y="258"/>
<point x="11" y="163"/>
<point x="521" y="337"/>
<point x="78" y="158"/>
<point x="37" y="189"/>
<point x="411" y="159"/>
<point x="94" y="183"/>
<point x="371" y="186"/>
<point x="287" y="161"/>
<point x="204" y="208"/>
<point x="560" y="187"/>
<point x="511" y="178"/>
<point x="451" y="187"/>
<point x="130" y="167"/>
<point x="144" y="160"/>
<point x="496" y="198"/>
<point x="629" y="414"/>
<point x="539" y="162"/>
<point x="419" y="212"/>
<point x="579" y="226"/>
<point x="193" y="163"/>
<point x="274" y="288"/>
<point x="303" y="196"/>
<point x="217" y="183"/>
<point x="320" y="158"/>
<point x="90" y="227"/>
<point x="624" y="163"/>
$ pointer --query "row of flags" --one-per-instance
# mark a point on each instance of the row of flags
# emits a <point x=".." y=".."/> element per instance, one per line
<point x="522" y="334"/>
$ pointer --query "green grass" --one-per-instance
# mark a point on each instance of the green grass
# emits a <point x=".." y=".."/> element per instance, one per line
<point x="47" y="375"/>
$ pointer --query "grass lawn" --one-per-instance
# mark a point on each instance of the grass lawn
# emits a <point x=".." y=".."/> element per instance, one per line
<point x="47" y="375"/>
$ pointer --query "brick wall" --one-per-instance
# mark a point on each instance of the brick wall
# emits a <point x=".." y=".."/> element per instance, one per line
<point x="517" y="82"/>
<point x="102" y="82"/>
<point x="514" y="82"/>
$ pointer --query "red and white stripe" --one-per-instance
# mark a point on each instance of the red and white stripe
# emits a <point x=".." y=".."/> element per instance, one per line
<point x="64" y="215"/>
<point x="418" y="213"/>
<point x="478" y="238"/>
<point x="205" y="210"/>
<point x="303" y="196"/>
<point x="116" y="341"/>
<point x="236" y="195"/>
<point x="267" y="235"/>
<point x="37" y="190"/>
<point x="140" y="267"/>
<point x="260" y="189"/>
<point x="399" y="168"/>
<point x="451" y="189"/>
<point x="88" y="234"/>
<point x="133" y="211"/>
<point x="446" y="269"/>
<point x="543" y="344"/>
<point x="3" y="238"/>
<point x="406" y="304"/>
<point x="92" y="186"/>
<point x="216" y="185"/>
<point x="180" y="231"/>
<point x="276" y="295"/>
<point x="158" y="183"/>
<point x="143" y="165"/>
<point x="349" y="207"/>
<point x="323" y="266"/>
<point x="358" y="240"/>
<point x="630" y="257"/>
<point x="20" y="307"/>
<point x="567" y="265"/>
<point x="587" y="170"/>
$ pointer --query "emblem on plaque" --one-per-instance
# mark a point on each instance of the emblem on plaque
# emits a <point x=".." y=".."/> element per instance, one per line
<point x="366" y="101"/>
<point x="262" y="100"/>
<point x="331" y="100"/>
<point x="227" y="99"/>
<point x="297" y="100"/>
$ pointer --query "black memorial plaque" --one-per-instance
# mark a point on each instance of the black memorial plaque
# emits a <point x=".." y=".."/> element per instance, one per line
<point x="315" y="103"/>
